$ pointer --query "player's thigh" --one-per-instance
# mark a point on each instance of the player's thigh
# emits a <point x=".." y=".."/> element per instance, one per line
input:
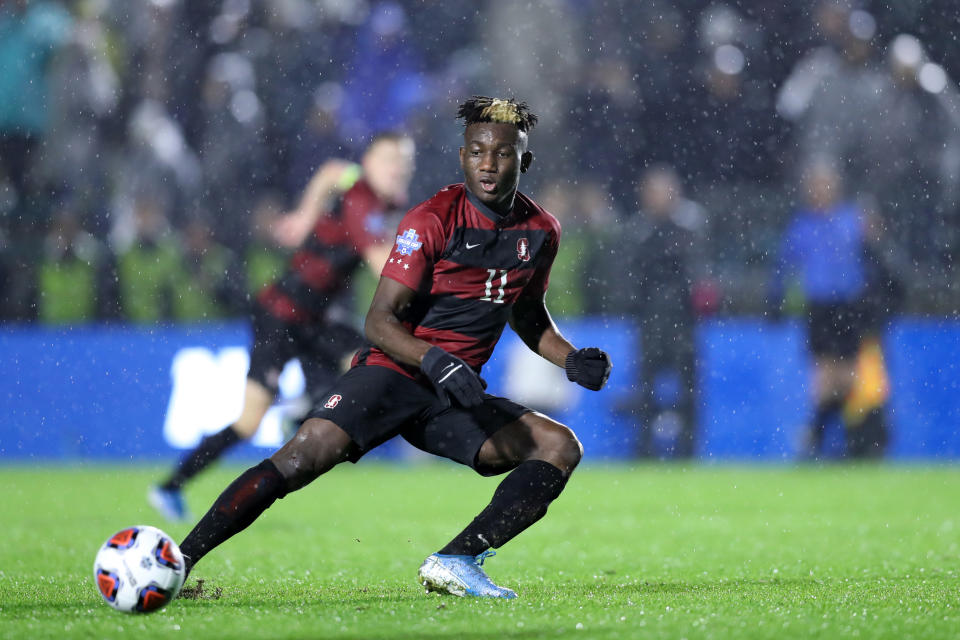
<point x="844" y="375"/>
<point x="823" y="375"/>
<point x="834" y="377"/>
<point x="457" y="433"/>
<point x="533" y="436"/>
<point x="373" y="404"/>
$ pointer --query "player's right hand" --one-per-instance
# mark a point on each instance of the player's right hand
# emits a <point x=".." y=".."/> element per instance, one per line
<point x="452" y="377"/>
<point x="588" y="367"/>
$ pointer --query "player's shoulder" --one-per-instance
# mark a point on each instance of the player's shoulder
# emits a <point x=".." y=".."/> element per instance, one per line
<point x="441" y="206"/>
<point x="538" y="216"/>
<point x="433" y="219"/>
<point x="360" y="189"/>
<point x="360" y="197"/>
<point x="443" y="203"/>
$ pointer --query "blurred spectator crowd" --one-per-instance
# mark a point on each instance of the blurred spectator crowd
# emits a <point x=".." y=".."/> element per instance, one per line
<point x="148" y="146"/>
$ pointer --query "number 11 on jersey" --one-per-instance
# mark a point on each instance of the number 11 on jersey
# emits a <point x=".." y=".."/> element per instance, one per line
<point x="488" y="285"/>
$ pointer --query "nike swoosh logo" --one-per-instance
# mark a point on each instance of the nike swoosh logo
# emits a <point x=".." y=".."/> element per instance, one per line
<point x="472" y="246"/>
<point x="451" y="372"/>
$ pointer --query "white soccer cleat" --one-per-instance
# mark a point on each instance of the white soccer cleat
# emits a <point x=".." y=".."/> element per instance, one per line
<point x="460" y="576"/>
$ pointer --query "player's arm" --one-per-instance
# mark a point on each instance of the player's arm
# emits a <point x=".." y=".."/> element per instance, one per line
<point x="376" y="255"/>
<point x="333" y="177"/>
<point x="530" y="319"/>
<point x="451" y="376"/>
<point x="384" y="329"/>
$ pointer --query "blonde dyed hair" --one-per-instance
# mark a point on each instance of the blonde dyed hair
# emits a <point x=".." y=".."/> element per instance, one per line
<point x="486" y="109"/>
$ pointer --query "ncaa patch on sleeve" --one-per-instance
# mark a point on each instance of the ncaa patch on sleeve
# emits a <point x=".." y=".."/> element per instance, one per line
<point x="408" y="242"/>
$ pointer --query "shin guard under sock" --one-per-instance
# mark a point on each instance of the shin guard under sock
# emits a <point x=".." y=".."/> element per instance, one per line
<point x="237" y="507"/>
<point x="210" y="448"/>
<point x="520" y="500"/>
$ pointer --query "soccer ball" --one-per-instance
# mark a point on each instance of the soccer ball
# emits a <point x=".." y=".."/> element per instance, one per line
<point x="139" y="569"/>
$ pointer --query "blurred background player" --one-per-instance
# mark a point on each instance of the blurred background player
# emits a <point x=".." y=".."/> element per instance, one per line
<point x="822" y="267"/>
<point x="661" y="249"/>
<point x="473" y="257"/>
<point x="293" y="317"/>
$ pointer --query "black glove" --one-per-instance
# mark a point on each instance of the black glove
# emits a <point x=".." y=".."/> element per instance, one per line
<point x="588" y="367"/>
<point x="452" y="377"/>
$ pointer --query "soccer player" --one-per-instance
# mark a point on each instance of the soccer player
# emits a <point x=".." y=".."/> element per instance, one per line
<point x="292" y="317"/>
<point x="823" y="250"/>
<point x="467" y="261"/>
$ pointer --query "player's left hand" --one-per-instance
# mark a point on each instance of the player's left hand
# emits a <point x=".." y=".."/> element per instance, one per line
<point x="453" y="377"/>
<point x="589" y="367"/>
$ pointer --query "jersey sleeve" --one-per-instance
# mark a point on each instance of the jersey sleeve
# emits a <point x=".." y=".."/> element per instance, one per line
<point x="418" y="245"/>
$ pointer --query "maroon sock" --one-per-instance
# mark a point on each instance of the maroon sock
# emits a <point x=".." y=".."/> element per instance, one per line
<point x="237" y="507"/>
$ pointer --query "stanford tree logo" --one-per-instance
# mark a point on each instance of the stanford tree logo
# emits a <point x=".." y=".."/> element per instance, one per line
<point x="523" y="249"/>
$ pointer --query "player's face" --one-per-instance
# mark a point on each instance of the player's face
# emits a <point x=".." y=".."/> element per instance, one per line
<point x="388" y="168"/>
<point x="493" y="156"/>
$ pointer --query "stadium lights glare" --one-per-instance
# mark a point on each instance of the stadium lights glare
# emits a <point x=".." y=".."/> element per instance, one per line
<point x="932" y="77"/>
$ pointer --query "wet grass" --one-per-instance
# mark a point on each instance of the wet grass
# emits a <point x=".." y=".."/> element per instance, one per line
<point x="655" y="551"/>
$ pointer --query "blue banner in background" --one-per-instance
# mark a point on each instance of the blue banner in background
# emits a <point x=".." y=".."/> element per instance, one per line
<point x="924" y="361"/>
<point x="754" y="397"/>
<point x="135" y="393"/>
<point x="98" y="392"/>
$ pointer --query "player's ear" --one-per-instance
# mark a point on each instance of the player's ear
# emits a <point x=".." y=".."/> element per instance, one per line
<point x="525" y="160"/>
<point x="463" y="156"/>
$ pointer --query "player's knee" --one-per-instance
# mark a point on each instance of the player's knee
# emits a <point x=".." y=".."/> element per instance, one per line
<point x="559" y="446"/>
<point x="317" y="447"/>
<point x="571" y="449"/>
<point x="322" y="443"/>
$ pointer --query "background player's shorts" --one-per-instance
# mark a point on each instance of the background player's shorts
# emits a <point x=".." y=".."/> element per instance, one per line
<point x="373" y="404"/>
<point x="836" y="329"/>
<point x="319" y="347"/>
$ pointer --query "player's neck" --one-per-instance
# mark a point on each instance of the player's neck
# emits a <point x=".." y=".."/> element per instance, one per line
<point x="386" y="199"/>
<point x="501" y="212"/>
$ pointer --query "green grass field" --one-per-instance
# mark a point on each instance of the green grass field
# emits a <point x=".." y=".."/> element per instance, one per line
<point x="655" y="551"/>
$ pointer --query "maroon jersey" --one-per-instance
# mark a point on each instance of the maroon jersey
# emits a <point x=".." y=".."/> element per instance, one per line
<point x="468" y="266"/>
<point x="323" y="265"/>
